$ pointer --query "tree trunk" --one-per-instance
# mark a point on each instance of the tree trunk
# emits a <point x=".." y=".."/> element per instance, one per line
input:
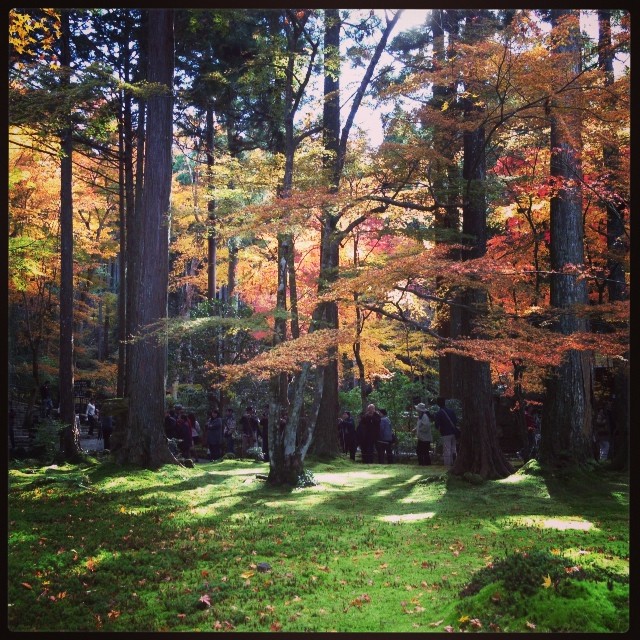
<point x="445" y="190"/>
<point x="620" y="418"/>
<point x="566" y="429"/>
<point x="326" y="433"/>
<point x="566" y="415"/>
<point x="611" y="156"/>
<point x="284" y="463"/>
<point x="474" y="216"/>
<point x="335" y="150"/>
<point x="285" y="459"/>
<point x="212" y="258"/>
<point x="473" y="378"/>
<point x="134" y="208"/>
<point x="65" y="377"/>
<point x="127" y="212"/>
<point x="233" y="267"/>
<point x="479" y="450"/>
<point x="143" y="441"/>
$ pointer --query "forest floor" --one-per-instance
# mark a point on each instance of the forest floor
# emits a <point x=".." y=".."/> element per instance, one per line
<point x="361" y="548"/>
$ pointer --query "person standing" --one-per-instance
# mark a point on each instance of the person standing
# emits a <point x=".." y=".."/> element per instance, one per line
<point x="47" y="402"/>
<point x="183" y="429"/>
<point x="91" y="416"/>
<point x="195" y="434"/>
<point x="603" y="431"/>
<point x="446" y="423"/>
<point x="423" y="433"/>
<point x="170" y="424"/>
<point x="368" y="431"/>
<point x="249" y="423"/>
<point x="347" y="429"/>
<point x="385" y="438"/>
<point x="107" y="430"/>
<point x="264" y="430"/>
<point x="214" y="435"/>
<point x="229" y="431"/>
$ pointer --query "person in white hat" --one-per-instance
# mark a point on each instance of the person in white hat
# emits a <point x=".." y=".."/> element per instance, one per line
<point x="423" y="432"/>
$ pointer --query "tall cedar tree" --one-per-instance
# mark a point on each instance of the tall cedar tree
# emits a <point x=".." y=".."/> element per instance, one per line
<point x="142" y="439"/>
<point x="480" y="450"/>
<point x="67" y="407"/>
<point x="616" y="282"/>
<point x="566" y="430"/>
<point x="326" y="436"/>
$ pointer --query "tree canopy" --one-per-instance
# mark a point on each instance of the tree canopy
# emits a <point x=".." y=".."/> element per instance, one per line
<point x="490" y="225"/>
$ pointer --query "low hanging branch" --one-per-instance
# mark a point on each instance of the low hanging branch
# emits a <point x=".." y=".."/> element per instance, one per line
<point x="289" y="357"/>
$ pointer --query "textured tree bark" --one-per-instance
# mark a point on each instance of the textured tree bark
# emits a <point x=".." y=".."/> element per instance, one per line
<point x="65" y="371"/>
<point x="566" y="429"/>
<point x="142" y="441"/>
<point x="479" y="451"/>
<point x="620" y="418"/>
<point x="611" y="155"/>
<point x="566" y="415"/>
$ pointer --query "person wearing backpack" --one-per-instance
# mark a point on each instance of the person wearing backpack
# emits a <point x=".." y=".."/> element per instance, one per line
<point x="384" y="443"/>
<point x="446" y="423"/>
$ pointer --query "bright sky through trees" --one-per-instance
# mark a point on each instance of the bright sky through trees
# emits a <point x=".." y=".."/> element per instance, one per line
<point x="369" y="116"/>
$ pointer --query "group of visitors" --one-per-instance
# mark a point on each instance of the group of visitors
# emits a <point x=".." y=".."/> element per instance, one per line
<point x="220" y="435"/>
<point x="375" y="435"/>
<point x="185" y="428"/>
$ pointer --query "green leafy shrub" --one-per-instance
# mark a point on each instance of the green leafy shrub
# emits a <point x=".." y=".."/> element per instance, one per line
<point x="306" y="479"/>
<point x="46" y="442"/>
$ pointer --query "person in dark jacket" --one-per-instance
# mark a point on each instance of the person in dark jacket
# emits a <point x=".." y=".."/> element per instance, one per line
<point x="47" y="402"/>
<point x="107" y="430"/>
<point x="368" y="430"/>
<point x="347" y="432"/>
<point x="183" y="431"/>
<point x="384" y="443"/>
<point x="229" y="431"/>
<point x="446" y="423"/>
<point x="170" y="423"/>
<point x="214" y="435"/>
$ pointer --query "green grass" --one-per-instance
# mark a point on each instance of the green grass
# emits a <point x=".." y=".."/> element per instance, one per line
<point x="372" y="548"/>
